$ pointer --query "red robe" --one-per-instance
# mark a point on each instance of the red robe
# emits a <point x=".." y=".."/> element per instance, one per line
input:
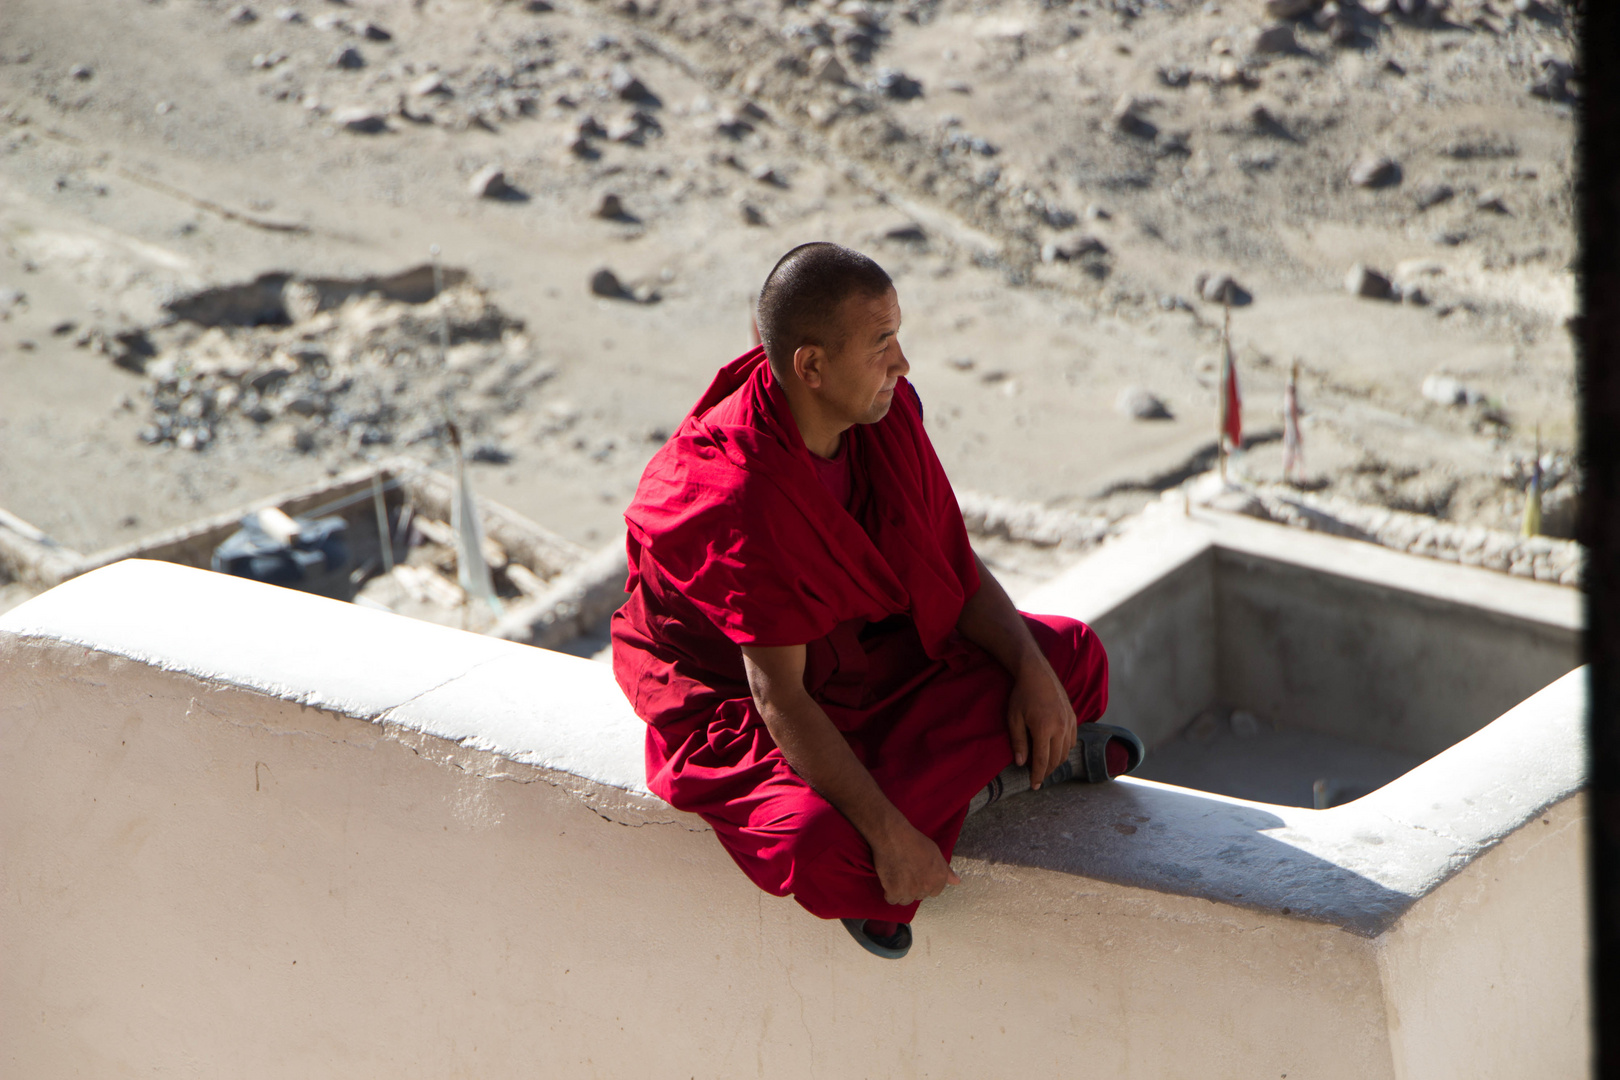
<point x="734" y="540"/>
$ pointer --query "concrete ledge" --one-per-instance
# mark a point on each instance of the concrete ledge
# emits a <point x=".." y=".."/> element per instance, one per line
<point x="258" y="832"/>
<point x="529" y="705"/>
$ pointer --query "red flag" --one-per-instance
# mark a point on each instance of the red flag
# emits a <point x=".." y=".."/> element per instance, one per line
<point x="1231" y="403"/>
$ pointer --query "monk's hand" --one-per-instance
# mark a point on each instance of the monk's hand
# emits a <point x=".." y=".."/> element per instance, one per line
<point x="1040" y="720"/>
<point x="910" y="866"/>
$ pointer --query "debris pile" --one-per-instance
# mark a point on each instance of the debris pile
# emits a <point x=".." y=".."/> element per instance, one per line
<point x="374" y="370"/>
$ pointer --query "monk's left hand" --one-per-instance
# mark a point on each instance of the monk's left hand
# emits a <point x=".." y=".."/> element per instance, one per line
<point x="1040" y="720"/>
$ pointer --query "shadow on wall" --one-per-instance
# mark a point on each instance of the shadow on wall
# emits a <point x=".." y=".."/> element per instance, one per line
<point x="1179" y="841"/>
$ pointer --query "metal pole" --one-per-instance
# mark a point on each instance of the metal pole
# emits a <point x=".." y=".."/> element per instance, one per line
<point x="385" y="539"/>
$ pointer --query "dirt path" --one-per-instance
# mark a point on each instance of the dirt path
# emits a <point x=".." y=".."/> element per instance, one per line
<point x="148" y="151"/>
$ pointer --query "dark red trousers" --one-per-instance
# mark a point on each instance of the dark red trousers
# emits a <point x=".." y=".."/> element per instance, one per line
<point x="932" y="732"/>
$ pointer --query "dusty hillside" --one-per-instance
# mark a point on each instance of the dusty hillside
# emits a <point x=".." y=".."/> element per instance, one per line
<point x="1051" y="184"/>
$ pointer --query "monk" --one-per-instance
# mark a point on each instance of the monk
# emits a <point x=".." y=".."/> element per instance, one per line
<point x="830" y="676"/>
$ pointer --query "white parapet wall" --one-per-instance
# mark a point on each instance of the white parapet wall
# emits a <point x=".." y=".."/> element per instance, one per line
<point x="250" y="832"/>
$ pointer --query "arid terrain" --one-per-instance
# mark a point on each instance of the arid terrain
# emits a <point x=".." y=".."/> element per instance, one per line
<point x="210" y="211"/>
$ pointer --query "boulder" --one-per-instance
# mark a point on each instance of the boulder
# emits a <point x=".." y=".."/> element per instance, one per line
<point x="1368" y="283"/>
<point x="1137" y="403"/>
<point x="1375" y="171"/>
<point x="488" y="183"/>
<point x="361" y="120"/>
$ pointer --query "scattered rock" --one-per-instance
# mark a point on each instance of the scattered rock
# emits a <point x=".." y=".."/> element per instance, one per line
<point x="1140" y="404"/>
<point x="241" y="14"/>
<point x="1291" y="9"/>
<point x="361" y="120"/>
<point x="609" y="206"/>
<point x="1066" y="249"/>
<point x="488" y="183"/>
<point x="1276" y="39"/>
<point x="1375" y="171"/>
<point x="1368" y="283"/>
<point x="1221" y="289"/>
<point x="626" y="86"/>
<point x="289" y="15"/>
<point x="372" y="32"/>
<point x="1433" y="195"/>
<point x="431" y="85"/>
<point x="766" y="175"/>
<point x="1445" y="390"/>
<point x="1491" y="202"/>
<point x="1127" y="118"/>
<point x="606" y="283"/>
<point x="830" y="70"/>
<point x="751" y="214"/>
<point x="1176" y="76"/>
<point x="266" y="61"/>
<point x="80" y="72"/>
<point x="896" y="84"/>
<point x="347" y="58"/>
<point x="1341" y="31"/>
<point x="909" y="233"/>
<point x="623" y="129"/>
<point x="1553" y="82"/>
<point x="491" y="454"/>
<point x="10" y="300"/>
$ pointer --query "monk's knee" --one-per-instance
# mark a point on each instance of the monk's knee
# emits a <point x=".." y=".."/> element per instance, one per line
<point x="1079" y="659"/>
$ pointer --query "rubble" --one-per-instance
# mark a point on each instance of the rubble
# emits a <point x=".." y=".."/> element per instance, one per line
<point x="355" y="368"/>
<point x="348" y="58"/>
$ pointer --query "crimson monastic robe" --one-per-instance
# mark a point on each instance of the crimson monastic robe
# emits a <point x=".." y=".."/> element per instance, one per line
<point x="734" y="540"/>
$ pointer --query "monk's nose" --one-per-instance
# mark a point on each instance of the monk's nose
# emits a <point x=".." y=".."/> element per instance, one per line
<point x="901" y="367"/>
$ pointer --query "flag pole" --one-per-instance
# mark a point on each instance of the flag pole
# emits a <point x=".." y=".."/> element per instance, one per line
<point x="1532" y="495"/>
<point x="1221" y="412"/>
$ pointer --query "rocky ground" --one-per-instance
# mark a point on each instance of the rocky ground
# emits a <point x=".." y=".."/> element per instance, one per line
<point x="219" y="221"/>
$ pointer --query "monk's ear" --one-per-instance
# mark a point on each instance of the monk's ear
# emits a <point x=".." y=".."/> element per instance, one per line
<point x="808" y="364"/>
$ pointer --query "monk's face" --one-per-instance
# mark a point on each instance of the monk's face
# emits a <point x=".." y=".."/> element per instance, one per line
<point x="858" y="379"/>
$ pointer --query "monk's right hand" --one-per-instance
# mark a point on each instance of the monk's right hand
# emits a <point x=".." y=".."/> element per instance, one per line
<point x="911" y="868"/>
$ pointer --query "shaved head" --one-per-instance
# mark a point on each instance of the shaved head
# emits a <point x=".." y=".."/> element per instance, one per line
<point x="802" y="298"/>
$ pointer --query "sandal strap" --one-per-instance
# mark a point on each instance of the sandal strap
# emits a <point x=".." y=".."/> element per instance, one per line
<point x="1096" y="757"/>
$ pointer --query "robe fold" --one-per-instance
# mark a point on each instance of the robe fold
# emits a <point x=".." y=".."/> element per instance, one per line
<point x="734" y="540"/>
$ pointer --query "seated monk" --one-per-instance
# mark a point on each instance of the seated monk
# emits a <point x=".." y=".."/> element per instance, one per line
<point x="830" y="676"/>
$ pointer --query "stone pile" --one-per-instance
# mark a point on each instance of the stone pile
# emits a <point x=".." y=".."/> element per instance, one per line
<point x="367" y="373"/>
<point x="1543" y="558"/>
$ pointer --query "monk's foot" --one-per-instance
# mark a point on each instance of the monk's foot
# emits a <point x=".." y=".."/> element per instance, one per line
<point x="1102" y="752"/>
<point x="890" y="940"/>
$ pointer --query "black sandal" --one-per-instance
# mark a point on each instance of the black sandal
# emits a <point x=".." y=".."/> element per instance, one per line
<point x="1091" y="763"/>
<point x="892" y="947"/>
